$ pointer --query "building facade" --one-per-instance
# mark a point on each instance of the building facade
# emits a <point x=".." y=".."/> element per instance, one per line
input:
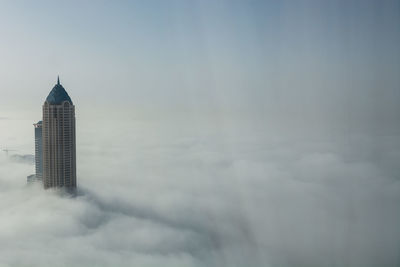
<point x="59" y="142"/>
<point x="38" y="150"/>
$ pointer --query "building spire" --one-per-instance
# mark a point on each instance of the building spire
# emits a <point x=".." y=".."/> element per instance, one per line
<point x="58" y="80"/>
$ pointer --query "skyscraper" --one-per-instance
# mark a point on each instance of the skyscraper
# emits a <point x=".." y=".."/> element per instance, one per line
<point x="59" y="153"/>
<point x="38" y="150"/>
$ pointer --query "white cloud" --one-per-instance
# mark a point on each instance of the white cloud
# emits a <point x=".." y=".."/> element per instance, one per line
<point x="183" y="194"/>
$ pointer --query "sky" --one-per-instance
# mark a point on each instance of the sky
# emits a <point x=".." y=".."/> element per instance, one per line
<point x="313" y="58"/>
<point x="209" y="133"/>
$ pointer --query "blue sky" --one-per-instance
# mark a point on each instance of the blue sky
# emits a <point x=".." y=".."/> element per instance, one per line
<point x="276" y="57"/>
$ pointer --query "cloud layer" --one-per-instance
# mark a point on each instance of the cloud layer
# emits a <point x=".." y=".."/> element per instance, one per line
<point x="168" y="193"/>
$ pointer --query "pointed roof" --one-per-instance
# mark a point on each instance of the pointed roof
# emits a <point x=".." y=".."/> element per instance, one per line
<point x="58" y="94"/>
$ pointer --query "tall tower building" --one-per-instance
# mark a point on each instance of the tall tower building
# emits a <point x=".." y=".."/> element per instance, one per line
<point x="38" y="150"/>
<point x="58" y="130"/>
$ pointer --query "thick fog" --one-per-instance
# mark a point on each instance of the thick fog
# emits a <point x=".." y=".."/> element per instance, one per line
<point x="192" y="191"/>
<point x="209" y="133"/>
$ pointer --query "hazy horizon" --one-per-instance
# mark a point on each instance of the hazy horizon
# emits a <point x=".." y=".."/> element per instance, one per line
<point x="209" y="133"/>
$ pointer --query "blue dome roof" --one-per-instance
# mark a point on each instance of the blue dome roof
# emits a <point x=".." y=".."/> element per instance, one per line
<point x="58" y="95"/>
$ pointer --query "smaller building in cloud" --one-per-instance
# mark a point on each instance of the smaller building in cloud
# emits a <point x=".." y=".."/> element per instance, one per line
<point x="38" y="176"/>
<point x="38" y="150"/>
